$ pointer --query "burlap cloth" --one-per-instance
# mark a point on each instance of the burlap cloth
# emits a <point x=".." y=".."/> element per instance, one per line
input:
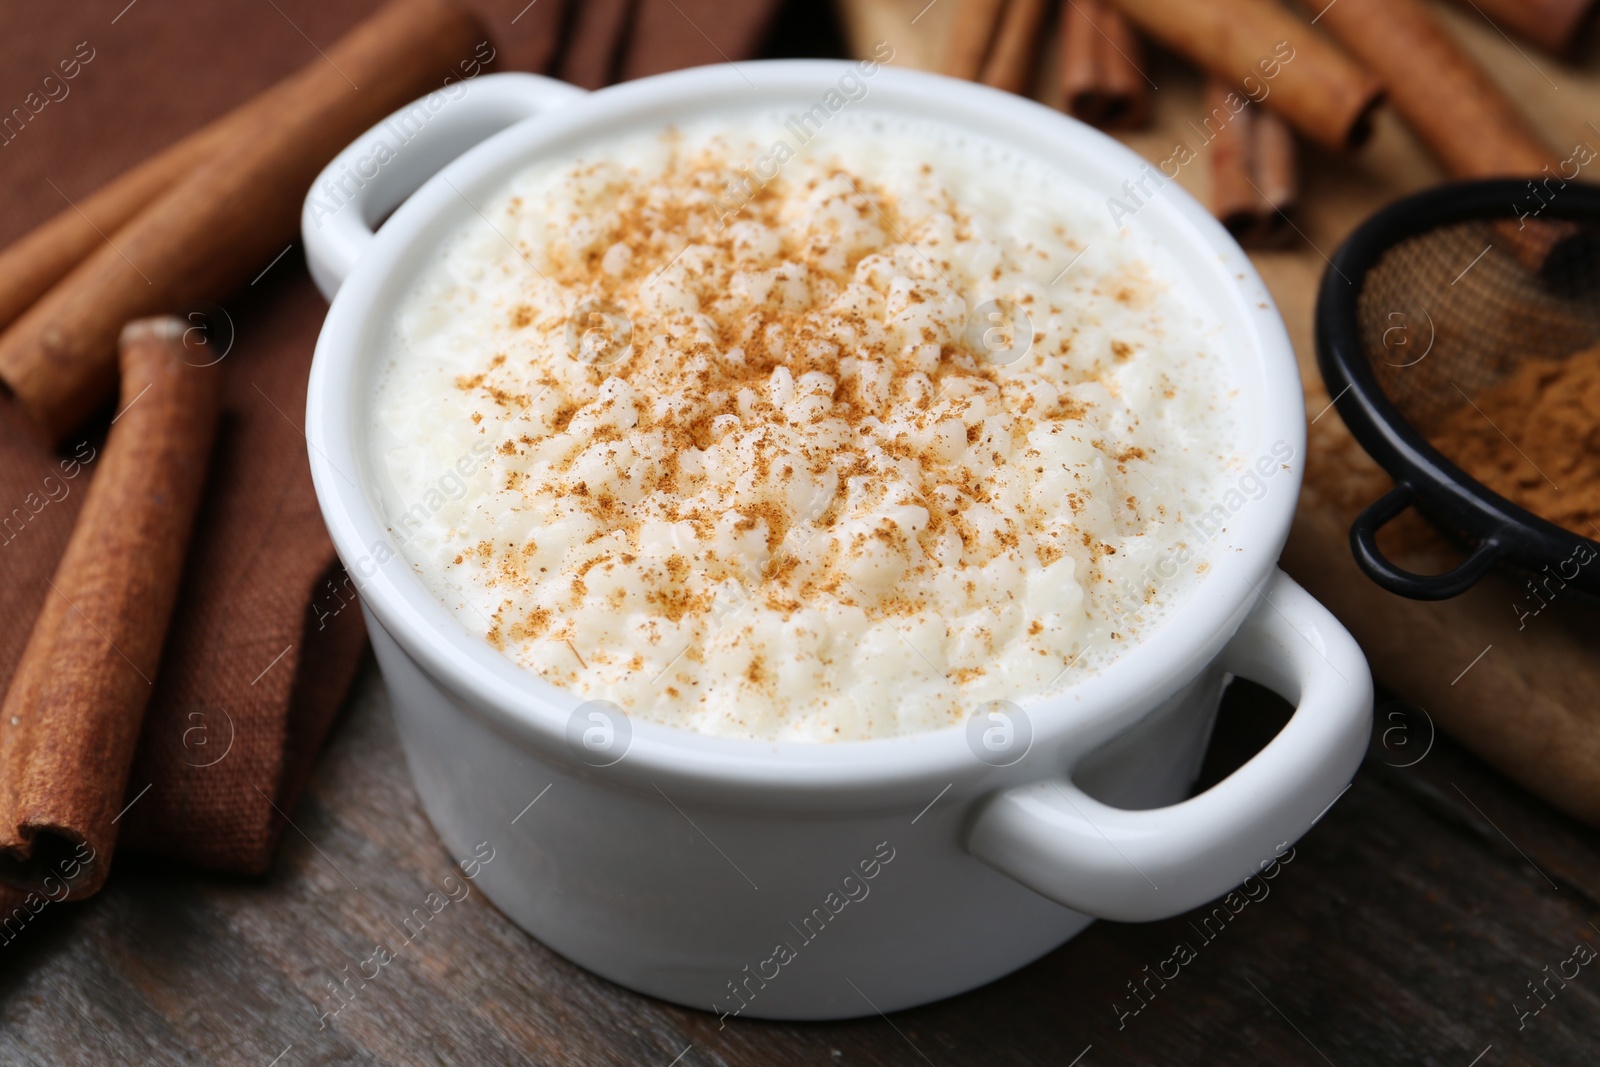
<point x="267" y="634"/>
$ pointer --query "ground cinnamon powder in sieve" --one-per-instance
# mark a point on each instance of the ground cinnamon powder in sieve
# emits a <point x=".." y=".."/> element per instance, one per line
<point x="1550" y="409"/>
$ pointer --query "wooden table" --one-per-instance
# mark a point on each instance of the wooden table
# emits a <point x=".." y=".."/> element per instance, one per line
<point x="1405" y="930"/>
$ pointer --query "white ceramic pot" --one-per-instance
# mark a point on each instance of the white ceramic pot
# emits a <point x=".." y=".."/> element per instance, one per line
<point x="822" y="881"/>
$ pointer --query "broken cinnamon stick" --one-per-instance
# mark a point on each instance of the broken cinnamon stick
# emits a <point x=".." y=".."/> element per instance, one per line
<point x="1253" y="173"/>
<point x="972" y="27"/>
<point x="1274" y="58"/>
<point x="1102" y="78"/>
<point x="1014" y="58"/>
<point x="209" y="232"/>
<point x="1550" y="24"/>
<point x="71" y="718"/>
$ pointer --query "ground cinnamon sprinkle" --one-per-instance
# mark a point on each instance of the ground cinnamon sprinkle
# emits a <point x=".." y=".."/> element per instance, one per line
<point x="747" y="460"/>
<point x="1550" y="408"/>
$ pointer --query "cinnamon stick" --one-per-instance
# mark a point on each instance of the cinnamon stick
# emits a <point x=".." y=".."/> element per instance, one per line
<point x="1463" y="118"/>
<point x="1082" y="94"/>
<point x="1276" y="170"/>
<point x="1014" y="58"/>
<point x="971" y="29"/>
<point x="207" y="234"/>
<point x="1253" y="173"/>
<point x="1276" y="59"/>
<point x="1102" y="80"/>
<point x="595" y="43"/>
<point x="71" y="718"/>
<point x="35" y="262"/>
<point x="1233" y="200"/>
<point x="1550" y="24"/>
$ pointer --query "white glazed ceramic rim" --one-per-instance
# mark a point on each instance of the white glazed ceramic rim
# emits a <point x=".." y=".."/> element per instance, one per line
<point x="524" y="706"/>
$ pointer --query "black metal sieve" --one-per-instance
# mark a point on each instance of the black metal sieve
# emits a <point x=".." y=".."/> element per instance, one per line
<point x="1433" y="299"/>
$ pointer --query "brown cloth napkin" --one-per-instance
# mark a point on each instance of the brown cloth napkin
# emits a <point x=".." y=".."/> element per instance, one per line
<point x="267" y="634"/>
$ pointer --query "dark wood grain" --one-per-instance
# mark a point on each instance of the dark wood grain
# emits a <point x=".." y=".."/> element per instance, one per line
<point x="1402" y="932"/>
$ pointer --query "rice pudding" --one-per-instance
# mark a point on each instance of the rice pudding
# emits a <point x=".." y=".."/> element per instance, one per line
<point x="830" y="446"/>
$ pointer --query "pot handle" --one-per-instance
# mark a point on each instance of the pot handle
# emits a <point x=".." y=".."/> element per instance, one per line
<point x="1396" y="579"/>
<point x="379" y="169"/>
<point x="1137" y="866"/>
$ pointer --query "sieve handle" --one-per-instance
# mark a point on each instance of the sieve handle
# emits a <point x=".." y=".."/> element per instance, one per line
<point x="1396" y="579"/>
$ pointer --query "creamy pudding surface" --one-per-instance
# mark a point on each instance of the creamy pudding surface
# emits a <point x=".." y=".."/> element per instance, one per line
<point x="743" y="430"/>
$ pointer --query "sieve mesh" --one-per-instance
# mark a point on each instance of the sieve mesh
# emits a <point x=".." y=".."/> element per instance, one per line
<point x="1424" y="312"/>
<point x="1448" y="313"/>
